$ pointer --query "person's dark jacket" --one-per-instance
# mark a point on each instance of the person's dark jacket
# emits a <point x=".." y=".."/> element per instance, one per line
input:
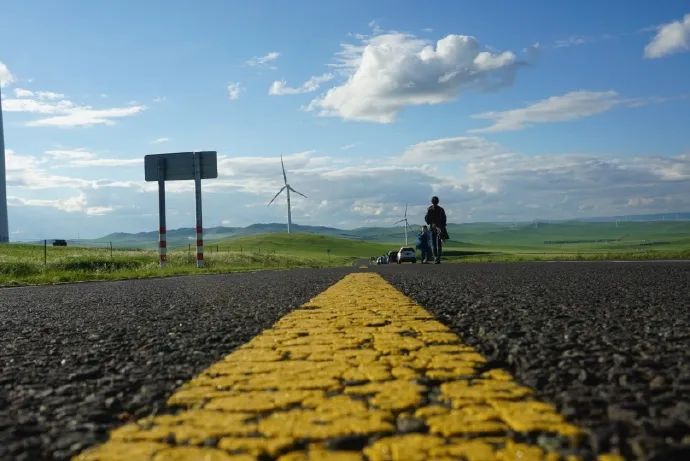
<point x="436" y="215"/>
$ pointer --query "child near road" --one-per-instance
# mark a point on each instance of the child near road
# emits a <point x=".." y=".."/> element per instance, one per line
<point x="424" y="244"/>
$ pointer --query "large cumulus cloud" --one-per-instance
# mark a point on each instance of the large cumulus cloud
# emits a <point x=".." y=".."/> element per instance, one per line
<point x="391" y="71"/>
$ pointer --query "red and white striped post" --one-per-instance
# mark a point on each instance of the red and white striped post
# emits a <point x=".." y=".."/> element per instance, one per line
<point x="199" y="247"/>
<point x="199" y="226"/>
<point x="162" y="247"/>
<point x="162" y="241"/>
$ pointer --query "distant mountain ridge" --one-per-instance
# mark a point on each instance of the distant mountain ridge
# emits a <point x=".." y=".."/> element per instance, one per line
<point x="641" y="218"/>
<point x="186" y="235"/>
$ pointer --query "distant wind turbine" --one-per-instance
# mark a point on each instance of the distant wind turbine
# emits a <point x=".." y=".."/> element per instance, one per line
<point x="404" y="219"/>
<point x="287" y="187"/>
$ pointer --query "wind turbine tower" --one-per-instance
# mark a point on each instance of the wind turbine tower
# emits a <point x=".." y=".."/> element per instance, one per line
<point x="287" y="187"/>
<point x="4" y="228"/>
<point x="404" y="219"/>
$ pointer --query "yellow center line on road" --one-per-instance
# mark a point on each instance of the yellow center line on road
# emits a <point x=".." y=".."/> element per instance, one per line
<point x="358" y="373"/>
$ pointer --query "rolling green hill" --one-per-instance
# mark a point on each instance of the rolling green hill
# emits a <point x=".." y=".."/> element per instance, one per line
<point x="575" y="235"/>
<point x="302" y="244"/>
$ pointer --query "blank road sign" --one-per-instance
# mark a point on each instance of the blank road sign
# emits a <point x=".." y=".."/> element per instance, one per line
<point x="179" y="166"/>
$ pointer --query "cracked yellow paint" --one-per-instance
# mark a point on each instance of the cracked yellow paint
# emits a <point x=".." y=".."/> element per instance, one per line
<point x="316" y="453"/>
<point x="610" y="457"/>
<point x="140" y="451"/>
<point x="359" y="373"/>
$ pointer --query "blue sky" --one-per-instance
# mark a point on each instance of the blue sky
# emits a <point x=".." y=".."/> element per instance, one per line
<point x="509" y="111"/>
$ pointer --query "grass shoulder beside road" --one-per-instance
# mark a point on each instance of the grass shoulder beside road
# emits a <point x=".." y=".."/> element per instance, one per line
<point x="461" y="254"/>
<point x="24" y="264"/>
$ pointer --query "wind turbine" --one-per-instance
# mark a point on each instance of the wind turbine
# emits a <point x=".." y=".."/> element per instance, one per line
<point x="287" y="187"/>
<point x="404" y="219"/>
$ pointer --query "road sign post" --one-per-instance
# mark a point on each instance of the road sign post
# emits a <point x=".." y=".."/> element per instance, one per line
<point x="199" y="226"/>
<point x="180" y="166"/>
<point x="162" y="239"/>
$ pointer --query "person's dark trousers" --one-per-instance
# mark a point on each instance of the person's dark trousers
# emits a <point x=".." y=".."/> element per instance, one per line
<point x="426" y="253"/>
<point x="437" y="245"/>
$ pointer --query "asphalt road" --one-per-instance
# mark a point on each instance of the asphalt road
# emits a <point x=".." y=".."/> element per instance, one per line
<point x="76" y="360"/>
<point x="608" y="343"/>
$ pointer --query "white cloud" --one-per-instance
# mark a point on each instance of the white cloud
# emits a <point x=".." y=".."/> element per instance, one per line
<point x="70" y="205"/>
<point x="108" y="162"/>
<point x="348" y="58"/>
<point x="500" y="184"/>
<point x="450" y="149"/>
<point x="673" y="37"/>
<point x="6" y="77"/>
<point x="86" y="116"/>
<point x="37" y="107"/>
<point x="49" y="95"/>
<point x="98" y="210"/>
<point x="27" y="171"/>
<point x="160" y="140"/>
<point x="83" y="158"/>
<point x="388" y="72"/>
<point x="65" y="112"/>
<point x="63" y="155"/>
<point x="280" y="88"/>
<point x="570" y="106"/>
<point x="368" y="209"/>
<point x="669" y="168"/>
<point x="375" y="28"/>
<point x="637" y="202"/>
<point x="263" y="61"/>
<point x="23" y="93"/>
<point x="42" y="95"/>
<point x="15" y="162"/>
<point x="74" y="204"/>
<point x="234" y="90"/>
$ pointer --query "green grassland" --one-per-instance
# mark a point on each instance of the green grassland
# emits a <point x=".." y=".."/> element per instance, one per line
<point x="304" y="245"/>
<point x="570" y="241"/>
<point x="25" y="264"/>
<point x="22" y="264"/>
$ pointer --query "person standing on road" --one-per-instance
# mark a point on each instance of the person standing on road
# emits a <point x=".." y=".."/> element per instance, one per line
<point x="436" y="218"/>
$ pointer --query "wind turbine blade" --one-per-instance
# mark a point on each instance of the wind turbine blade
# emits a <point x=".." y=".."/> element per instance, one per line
<point x="401" y="220"/>
<point x="283" y="165"/>
<point x="293" y="190"/>
<point x="276" y="196"/>
<point x="406" y="211"/>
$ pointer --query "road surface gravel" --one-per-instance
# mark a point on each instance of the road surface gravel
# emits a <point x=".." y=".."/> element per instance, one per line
<point x="607" y="343"/>
<point x="79" y="359"/>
